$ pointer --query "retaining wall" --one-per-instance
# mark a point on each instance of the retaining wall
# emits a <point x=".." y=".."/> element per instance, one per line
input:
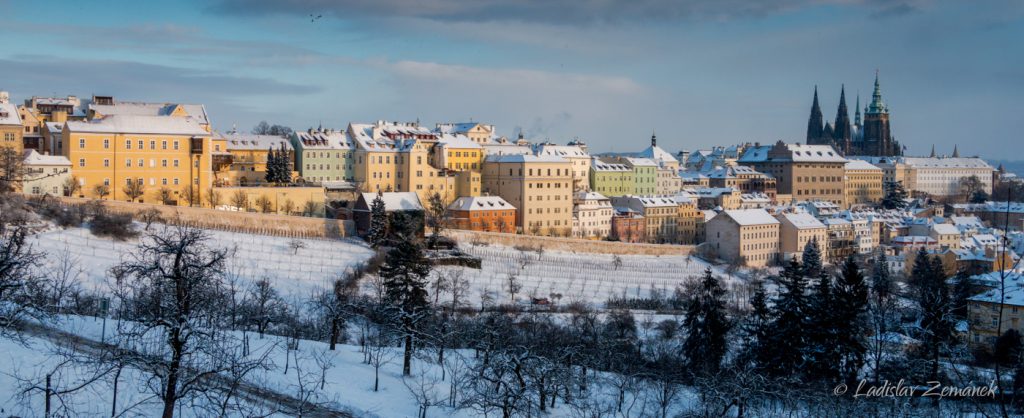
<point x="568" y="244"/>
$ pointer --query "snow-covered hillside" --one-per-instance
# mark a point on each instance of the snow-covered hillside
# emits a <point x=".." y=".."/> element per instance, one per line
<point x="256" y="257"/>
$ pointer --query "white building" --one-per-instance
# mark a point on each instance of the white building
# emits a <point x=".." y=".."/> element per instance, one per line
<point x="592" y="215"/>
<point x="45" y="174"/>
<point x="941" y="176"/>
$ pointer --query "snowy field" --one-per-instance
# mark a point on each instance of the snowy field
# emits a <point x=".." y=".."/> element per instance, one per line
<point x="582" y="277"/>
<point x="256" y="257"/>
<point x="585" y="277"/>
<point x="347" y="381"/>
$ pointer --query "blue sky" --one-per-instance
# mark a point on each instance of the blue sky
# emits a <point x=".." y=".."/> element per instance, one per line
<point x="699" y="72"/>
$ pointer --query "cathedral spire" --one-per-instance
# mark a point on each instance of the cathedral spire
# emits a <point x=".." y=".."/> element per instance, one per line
<point x="877" y="105"/>
<point x="814" y="123"/>
<point x="842" y="134"/>
<point x="956" y="151"/>
<point x="933" y="151"/>
<point x="856" y="109"/>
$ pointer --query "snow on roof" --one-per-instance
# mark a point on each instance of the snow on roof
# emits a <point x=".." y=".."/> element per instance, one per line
<point x="362" y="136"/>
<point x="1014" y="293"/>
<point x="457" y="141"/>
<point x="656" y="153"/>
<point x="946" y="162"/>
<point x="9" y="114"/>
<point x="506" y="149"/>
<point x="945" y="229"/>
<point x="236" y="141"/>
<point x="526" y="159"/>
<point x="130" y="124"/>
<point x="836" y="221"/>
<point x="796" y="153"/>
<point x="861" y="165"/>
<point x="640" y="162"/>
<point x="748" y="217"/>
<point x="707" y="192"/>
<point x="459" y="127"/>
<point x="913" y="239"/>
<point x="567" y="151"/>
<point x="34" y="158"/>
<point x="471" y="203"/>
<point x="802" y="220"/>
<point x="321" y="139"/>
<point x="194" y="111"/>
<point x="598" y="165"/>
<point x="584" y="195"/>
<point x="637" y="202"/>
<point x="395" y="200"/>
<point x="966" y="221"/>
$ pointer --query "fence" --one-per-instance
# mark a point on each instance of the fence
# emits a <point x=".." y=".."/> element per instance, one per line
<point x="568" y="244"/>
<point x="244" y="222"/>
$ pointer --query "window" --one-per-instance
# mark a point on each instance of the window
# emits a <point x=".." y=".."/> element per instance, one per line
<point x="81" y="142"/>
<point x="175" y="182"/>
<point x="142" y="144"/>
<point x="152" y="144"/>
<point x="175" y="161"/>
<point x="163" y="163"/>
<point x="127" y="144"/>
<point x="175" y="144"/>
<point x="106" y="144"/>
<point x="128" y="162"/>
<point x="163" y="144"/>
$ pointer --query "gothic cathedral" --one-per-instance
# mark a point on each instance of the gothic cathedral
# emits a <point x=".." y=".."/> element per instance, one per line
<point x="872" y="138"/>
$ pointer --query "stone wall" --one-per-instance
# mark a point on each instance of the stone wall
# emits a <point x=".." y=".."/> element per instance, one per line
<point x="246" y="222"/>
<point x="568" y="244"/>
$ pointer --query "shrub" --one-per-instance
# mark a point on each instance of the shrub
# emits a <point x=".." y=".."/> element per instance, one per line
<point x="115" y="225"/>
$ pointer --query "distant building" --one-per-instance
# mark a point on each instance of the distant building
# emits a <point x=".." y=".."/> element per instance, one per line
<point x="483" y="213"/>
<point x="863" y="184"/>
<point x="873" y="137"/>
<point x="407" y="202"/>
<point x="749" y="237"/>
<point x="249" y="154"/>
<point x="611" y="179"/>
<point x="628" y="226"/>
<point x="541" y="186"/>
<point x="592" y="215"/>
<point x="661" y="214"/>
<point x="796" y="230"/>
<point x="577" y="156"/>
<point x="45" y="174"/>
<point x="804" y="172"/>
<point x="11" y="129"/>
<point x="323" y="155"/>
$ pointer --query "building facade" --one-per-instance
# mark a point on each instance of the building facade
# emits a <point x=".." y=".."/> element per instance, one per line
<point x="540" y="186"/>
<point x="747" y="237"/>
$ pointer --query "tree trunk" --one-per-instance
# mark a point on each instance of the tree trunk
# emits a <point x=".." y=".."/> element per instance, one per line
<point x="334" y="332"/>
<point x="407" y="361"/>
<point x="113" y="404"/>
<point x="171" y="393"/>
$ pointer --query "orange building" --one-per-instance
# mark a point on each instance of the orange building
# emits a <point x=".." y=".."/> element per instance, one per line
<point x="483" y="213"/>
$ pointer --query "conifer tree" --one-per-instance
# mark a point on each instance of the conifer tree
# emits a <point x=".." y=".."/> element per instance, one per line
<point x="895" y="196"/>
<point x="706" y="327"/>
<point x="272" y="167"/>
<point x="962" y="292"/>
<point x="881" y="277"/>
<point x="404" y="275"/>
<point x="850" y="315"/>
<point x="756" y="329"/>
<point x="821" y="333"/>
<point x="936" y="307"/>
<point x="787" y="341"/>
<point x="812" y="259"/>
<point x="284" y="166"/>
<point x="378" y="222"/>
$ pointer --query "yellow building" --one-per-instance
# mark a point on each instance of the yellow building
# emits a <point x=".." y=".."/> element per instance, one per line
<point x="577" y="156"/>
<point x="249" y="155"/>
<point x="479" y="133"/>
<point x="539" y="186"/>
<point x="798" y="229"/>
<point x="458" y="153"/>
<point x="661" y="214"/>
<point x="744" y="236"/>
<point x="103" y="106"/>
<point x="11" y="129"/>
<point x="159" y="153"/>
<point x="863" y="183"/>
<point x="689" y="221"/>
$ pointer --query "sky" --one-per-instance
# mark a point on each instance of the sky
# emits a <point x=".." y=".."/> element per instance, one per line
<point x="697" y="72"/>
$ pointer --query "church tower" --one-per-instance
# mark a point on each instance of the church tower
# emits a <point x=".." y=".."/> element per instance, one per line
<point x="843" y="131"/>
<point x="877" y="136"/>
<point x="815" y="128"/>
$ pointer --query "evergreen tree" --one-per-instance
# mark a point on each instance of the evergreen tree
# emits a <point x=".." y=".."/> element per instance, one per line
<point x="706" y="327"/>
<point x="378" y="222"/>
<point x="404" y="275"/>
<point x="962" y="292"/>
<point x="756" y="329"/>
<point x="284" y="166"/>
<point x="881" y="277"/>
<point x="812" y="259"/>
<point x="850" y="314"/>
<point x="895" y="195"/>
<point x="272" y="175"/>
<point x="821" y="333"/>
<point x="979" y="196"/>
<point x="787" y="341"/>
<point x="935" y="306"/>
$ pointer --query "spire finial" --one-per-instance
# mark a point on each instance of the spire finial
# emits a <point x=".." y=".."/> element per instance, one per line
<point x="933" y="151"/>
<point x="654" y="139"/>
<point x="956" y="151"/>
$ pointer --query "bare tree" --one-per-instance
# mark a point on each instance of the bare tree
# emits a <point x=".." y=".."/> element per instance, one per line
<point x="263" y="305"/>
<point x="65" y="277"/>
<point x="18" y="277"/>
<point x="311" y="208"/>
<point x="72" y="185"/>
<point x="173" y="286"/>
<point x="296" y="245"/>
<point x="101" y="191"/>
<point x="264" y="204"/>
<point x="12" y="169"/>
<point x="422" y="386"/>
<point x="288" y="207"/>
<point x="149" y="216"/>
<point x="380" y="352"/>
<point x="213" y="198"/>
<point x="134" y="189"/>
<point x="165" y="195"/>
<point x="240" y="200"/>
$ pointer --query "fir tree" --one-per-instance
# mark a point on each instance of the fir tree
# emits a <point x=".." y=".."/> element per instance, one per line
<point x="812" y="259"/>
<point x="378" y="222"/>
<point x="881" y="277"/>
<point x="850" y="300"/>
<point x="787" y="341"/>
<point x="404" y="275"/>
<point x="962" y="292"/>
<point x="821" y="333"/>
<point x="706" y="327"/>
<point x="272" y="175"/>
<point x="756" y="329"/>
<point x="895" y="196"/>
<point x="936" y="306"/>
<point x="284" y="166"/>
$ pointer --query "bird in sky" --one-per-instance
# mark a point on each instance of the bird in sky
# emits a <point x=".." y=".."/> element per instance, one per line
<point x="315" y="18"/>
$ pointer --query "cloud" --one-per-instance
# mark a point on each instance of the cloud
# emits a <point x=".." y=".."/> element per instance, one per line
<point x="541" y="104"/>
<point x="548" y="11"/>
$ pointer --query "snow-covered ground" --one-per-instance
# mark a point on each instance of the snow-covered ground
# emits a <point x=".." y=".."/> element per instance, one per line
<point x="586" y="277"/>
<point x="583" y="277"/>
<point x="256" y="256"/>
